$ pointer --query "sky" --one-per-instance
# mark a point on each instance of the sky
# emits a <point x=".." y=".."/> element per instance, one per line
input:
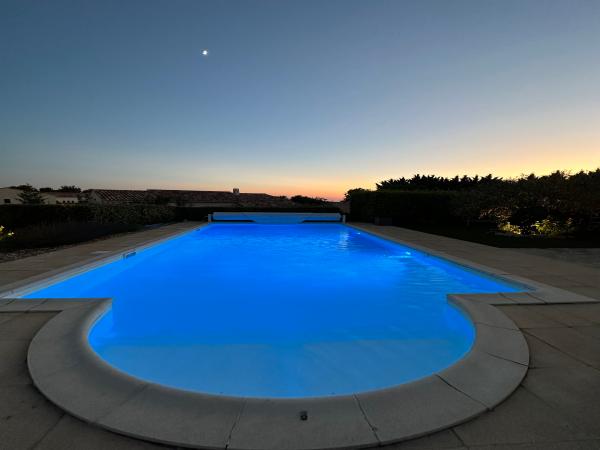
<point x="308" y="97"/>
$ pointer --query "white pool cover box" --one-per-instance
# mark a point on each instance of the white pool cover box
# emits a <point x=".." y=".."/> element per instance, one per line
<point x="275" y="217"/>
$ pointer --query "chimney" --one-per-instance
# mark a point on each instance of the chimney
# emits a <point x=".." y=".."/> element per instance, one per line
<point x="236" y="191"/>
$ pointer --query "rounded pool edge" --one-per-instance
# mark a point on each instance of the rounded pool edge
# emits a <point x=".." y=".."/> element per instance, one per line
<point x="69" y="373"/>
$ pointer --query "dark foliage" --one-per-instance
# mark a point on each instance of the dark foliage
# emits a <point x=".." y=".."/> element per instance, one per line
<point x="403" y="208"/>
<point x="14" y="217"/>
<point x="553" y="204"/>
<point x="24" y="187"/>
<point x="61" y="233"/>
<point x="435" y="183"/>
<point x="304" y="200"/>
<point x="17" y="216"/>
<point x="72" y="188"/>
<point x="31" y="198"/>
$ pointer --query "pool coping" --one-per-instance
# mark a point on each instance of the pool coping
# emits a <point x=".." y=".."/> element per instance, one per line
<point x="69" y="373"/>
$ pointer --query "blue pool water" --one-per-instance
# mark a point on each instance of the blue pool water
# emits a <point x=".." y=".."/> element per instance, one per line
<point x="279" y="311"/>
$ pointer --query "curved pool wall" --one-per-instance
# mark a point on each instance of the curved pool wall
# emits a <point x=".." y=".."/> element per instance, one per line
<point x="283" y="311"/>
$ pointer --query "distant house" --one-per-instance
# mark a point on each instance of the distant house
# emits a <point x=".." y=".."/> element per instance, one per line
<point x="60" y="198"/>
<point x="10" y="196"/>
<point x="188" y="198"/>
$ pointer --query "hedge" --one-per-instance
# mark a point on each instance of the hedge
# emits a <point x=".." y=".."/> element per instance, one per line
<point x="19" y="216"/>
<point x="62" y="233"/>
<point x="404" y="207"/>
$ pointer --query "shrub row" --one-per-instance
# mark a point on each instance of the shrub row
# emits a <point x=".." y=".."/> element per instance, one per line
<point x="551" y="205"/>
<point x="61" y="233"/>
<point x="404" y="207"/>
<point x="19" y="216"/>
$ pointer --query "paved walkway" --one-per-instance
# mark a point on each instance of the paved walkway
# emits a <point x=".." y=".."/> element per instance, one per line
<point x="582" y="256"/>
<point x="556" y="407"/>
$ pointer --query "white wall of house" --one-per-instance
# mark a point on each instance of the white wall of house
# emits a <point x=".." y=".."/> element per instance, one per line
<point x="60" y="198"/>
<point x="10" y="196"/>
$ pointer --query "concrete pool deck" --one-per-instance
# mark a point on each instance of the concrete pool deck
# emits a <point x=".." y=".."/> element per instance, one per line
<point x="555" y="407"/>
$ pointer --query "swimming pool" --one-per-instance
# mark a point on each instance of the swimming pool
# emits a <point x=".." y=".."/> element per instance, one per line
<point x="282" y="311"/>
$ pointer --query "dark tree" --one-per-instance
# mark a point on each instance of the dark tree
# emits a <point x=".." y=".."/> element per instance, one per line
<point x="304" y="200"/>
<point x="73" y="188"/>
<point x="24" y="187"/>
<point x="31" y="198"/>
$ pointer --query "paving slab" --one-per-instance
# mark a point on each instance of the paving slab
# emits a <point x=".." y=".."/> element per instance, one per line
<point x="488" y="299"/>
<point x="577" y="345"/>
<point x="523" y="298"/>
<point x="529" y="316"/>
<point x="485" y="378"/>
<point x="564" y="445"/>
<point x="503" y="343"/>
<point x="5" y="317"/>
<point x="522" y="418"/>
<point x="11" y="276"/>
<point x="562" y="296"/>
<point x="23" y="326"/>
<point x="543" y="355"/>
<point x="586" y="256"/>
<point x="579" y="399"/>
<point x="22" y="305"/>
<point x="563" y="315"/>
<point x="589" y="312"/>
<point x="13" y="362"/>
<point x="433" y="405"/>
<point x="590" y="331"/>
<point x="25" y="417"/>
<point x="592" y="292"/>
<point x="56" y="305"/>
<point x="560" y="281"/>
<point x="73" y="434"/>
<point x="446" y="439"/>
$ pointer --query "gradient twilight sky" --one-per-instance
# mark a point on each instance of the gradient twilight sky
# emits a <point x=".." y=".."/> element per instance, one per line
<point x="311" y="97"/>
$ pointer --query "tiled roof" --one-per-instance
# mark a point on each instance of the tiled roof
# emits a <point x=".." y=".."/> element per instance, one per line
<point x="119" y="195"/>
<point x="193" y="196"/>
<point x="183" y="197"/>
